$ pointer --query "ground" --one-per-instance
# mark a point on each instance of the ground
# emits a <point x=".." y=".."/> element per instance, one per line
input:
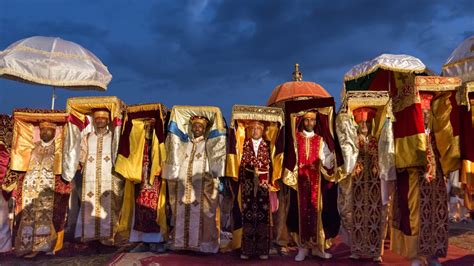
<point x="461" y="242"/>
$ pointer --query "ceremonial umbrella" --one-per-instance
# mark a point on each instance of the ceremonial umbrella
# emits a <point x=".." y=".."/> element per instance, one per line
<point x="395" y="73"/>
<point x="297" y="89"/>
<point x="461" y="63"/>
<point x="54" y="62"/>
<point x="378" y="74"/>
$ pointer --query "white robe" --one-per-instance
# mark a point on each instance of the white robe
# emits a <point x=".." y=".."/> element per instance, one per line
<point x="101" y="192"/>
<point x="194" y="200"/>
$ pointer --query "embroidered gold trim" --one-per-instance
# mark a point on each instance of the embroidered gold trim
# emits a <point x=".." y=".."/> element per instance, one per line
<point x="437" y="83"/>
<point x="21" y="47"/>
<point x="98" y="179"/>
<point x="261" y="113"/>
<point x="76" y="84"/>
<point x="394" y="69"/>
<point x="203" y="189"/>
<point x="84" y="105"/>
<point x="187" y="196"/>
<point x="146" y="107"/>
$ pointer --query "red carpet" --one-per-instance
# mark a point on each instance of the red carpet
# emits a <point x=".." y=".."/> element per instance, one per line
<point x="456" y="257"/>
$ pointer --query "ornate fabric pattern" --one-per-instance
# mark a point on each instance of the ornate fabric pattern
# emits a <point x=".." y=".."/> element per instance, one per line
<point x="36" y="231"/>
<point x="308" y="187"/>
<point x="367" y="219"/>
<point x="255" y="199"/>
<point x="433" y="239"/>
<point x="420" y="213"/>
<point x="146" y="202"/>
<point x="7" y="178"/>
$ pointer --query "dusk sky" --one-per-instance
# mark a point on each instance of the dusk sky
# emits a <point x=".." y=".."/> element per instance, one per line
<point x="229" y="52"/>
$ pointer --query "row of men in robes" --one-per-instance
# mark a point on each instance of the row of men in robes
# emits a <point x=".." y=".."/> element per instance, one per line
<point x="132" y="171"/>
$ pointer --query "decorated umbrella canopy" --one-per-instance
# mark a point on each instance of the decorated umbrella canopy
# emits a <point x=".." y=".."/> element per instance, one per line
<point x="461" y="63"/>
<point x="396" y="75"/>
<point x="54" y="62"/>
<point x="378" y="74"/>
<point x="297" y="89"/>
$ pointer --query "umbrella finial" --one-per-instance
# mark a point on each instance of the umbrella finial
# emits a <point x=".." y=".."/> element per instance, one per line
<point x="297" y="75"/>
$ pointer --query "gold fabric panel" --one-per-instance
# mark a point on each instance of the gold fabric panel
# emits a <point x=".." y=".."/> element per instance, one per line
<point x="125" y="221"/>
<point x="290" y="178"/>
<point x="407" y="245"/>
<point x="161" y="210"/>
<point x="58" y="150"/>
<point x="131" y="168"/>
<point x="232" y="166"/>
<point x="22" y="145"/>
<point x="414" y="199"/>
<point x="277" y="164"/>
<point x="80" y="106"/>
<point x="467" y="179"/>
<point x="446" y="142"/>
<point x="407" y="149"/>
<point x="404" y="245"/>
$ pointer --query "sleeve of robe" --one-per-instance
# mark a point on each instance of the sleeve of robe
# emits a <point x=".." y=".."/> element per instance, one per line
<point x="327" y="157"/>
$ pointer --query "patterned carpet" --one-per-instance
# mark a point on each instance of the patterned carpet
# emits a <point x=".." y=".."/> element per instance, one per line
<point x="456" y="257"/>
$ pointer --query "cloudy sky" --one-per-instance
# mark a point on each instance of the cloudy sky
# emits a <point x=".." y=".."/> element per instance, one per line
<point x="229" y="52"/>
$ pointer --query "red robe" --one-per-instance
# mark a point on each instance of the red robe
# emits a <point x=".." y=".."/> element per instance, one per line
<point x="309" y="181"/>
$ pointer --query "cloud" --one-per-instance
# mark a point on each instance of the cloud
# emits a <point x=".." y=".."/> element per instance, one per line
<point x="230" y="52"/>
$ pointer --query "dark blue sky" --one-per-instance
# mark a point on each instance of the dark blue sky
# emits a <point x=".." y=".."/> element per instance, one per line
<point x="229" y="52"/>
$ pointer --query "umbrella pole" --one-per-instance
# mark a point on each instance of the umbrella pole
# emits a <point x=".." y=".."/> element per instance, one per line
<point x="53" y="98"/>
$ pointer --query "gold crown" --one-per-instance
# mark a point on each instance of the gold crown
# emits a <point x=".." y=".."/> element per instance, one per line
<point x="46" y="124"/>
<point x="102" y="113"/>
<point x="310" y="115"/>
<point x="199" y="119"/>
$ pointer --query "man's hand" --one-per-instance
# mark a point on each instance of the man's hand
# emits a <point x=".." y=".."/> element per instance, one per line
<point x="264" y="183"/>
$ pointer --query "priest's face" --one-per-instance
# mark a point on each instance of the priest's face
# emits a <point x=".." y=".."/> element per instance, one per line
<point x="256" y="132"/>
<point x="198" y="130"/>
<point x="47" y="134"/>
<point x="309" y="124"/>
<point x="101" y="122"/>
<point x="364" y="128"/>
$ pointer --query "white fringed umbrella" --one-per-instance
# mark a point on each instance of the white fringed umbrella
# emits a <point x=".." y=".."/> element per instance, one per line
<point x="54" y="62"/>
